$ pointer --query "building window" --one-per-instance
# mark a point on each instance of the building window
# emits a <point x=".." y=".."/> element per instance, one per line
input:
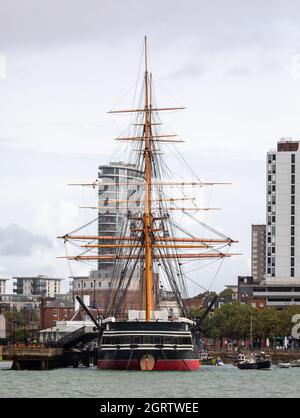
<point x="292" y="272"/>
<point x="293" y="158"/>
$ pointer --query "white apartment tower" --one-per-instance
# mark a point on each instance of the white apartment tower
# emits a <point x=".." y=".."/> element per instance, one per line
<point x="283" y="212"/>
<point x="119" y="182"/>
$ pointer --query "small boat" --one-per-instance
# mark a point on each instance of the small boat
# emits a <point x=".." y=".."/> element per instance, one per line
<point x="281" y="365"/>
<point x="254" y="362"/>
<point x="295" y="363"/>
<point x="246" y="363"/>
<point x="263" y="363"/>
<point x="219" y="362"/>
<point x="5" y="365"/>
<point x="206" y="359"/>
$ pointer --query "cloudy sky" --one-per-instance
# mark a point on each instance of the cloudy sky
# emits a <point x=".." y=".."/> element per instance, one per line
<point x="234" y="64"/>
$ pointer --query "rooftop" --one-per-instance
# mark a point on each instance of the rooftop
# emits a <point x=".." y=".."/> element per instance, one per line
<point x="59" y="304"/>
<point x="287" y="145"/>
<point x="37" y="277"/>
<point x="119" y="164"/>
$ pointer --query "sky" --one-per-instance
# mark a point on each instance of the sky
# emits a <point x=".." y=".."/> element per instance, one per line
<point x="234" y="65"/>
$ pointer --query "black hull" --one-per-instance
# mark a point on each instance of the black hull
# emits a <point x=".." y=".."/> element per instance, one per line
<point x="263" y="365"/>
<point x="259" y="365"/>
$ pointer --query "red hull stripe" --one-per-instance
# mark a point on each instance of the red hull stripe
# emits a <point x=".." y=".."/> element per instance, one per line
<point x="182" y="365"/>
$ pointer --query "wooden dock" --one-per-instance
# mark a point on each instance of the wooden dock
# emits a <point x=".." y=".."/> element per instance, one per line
<point x="44" y="358"/>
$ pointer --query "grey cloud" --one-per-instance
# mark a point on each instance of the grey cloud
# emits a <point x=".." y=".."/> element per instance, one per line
<point x="240" y="71"/>
<point x="189" y="70"/>
<point x="215" y="24"/>
<point x="15" y="240"/>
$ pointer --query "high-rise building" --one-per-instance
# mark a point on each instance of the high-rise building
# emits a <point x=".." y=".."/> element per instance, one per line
<point x="258" y="252"/>
<point x="119" y="184"/>
<point x="283" y="211"/>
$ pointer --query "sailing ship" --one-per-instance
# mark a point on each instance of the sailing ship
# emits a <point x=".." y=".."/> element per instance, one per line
<point x="148" y="338"/>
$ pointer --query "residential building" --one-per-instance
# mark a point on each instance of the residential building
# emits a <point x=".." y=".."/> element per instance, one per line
<point x="100" y="290"/>
<point x="43" y="286"/>
<point x="3" y="283"/>
<point x="53" y="310"/>
<point x="19" y="302"/>
<point x="258" y="252"/>
<point x="118" y="191"/>
<point x="235" y="290"/>
<point x="283" y="212"/>
<point x="245" y="288"/>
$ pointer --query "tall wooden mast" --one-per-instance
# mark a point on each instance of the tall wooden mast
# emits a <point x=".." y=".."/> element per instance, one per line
<point x="147" y="216"/>
<point x="154" y="241"/>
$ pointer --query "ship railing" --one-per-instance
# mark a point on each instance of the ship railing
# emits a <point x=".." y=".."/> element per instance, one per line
<point x="66" y="339"/>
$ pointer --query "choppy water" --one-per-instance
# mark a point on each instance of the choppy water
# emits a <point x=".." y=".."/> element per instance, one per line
<point x="226" y="381"/>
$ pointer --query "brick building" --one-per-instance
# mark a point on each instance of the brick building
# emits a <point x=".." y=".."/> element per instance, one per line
<point x="53" y="310"/>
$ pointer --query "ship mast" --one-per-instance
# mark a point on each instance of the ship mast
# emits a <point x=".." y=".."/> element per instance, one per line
<point x="152" y="246"/>
<point x="147" y="215"/>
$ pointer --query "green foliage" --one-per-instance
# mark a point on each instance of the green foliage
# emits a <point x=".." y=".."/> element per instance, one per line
<point x="205" y="295"/>
<point x="234" y="321"/>
<point x="226" y="293"/>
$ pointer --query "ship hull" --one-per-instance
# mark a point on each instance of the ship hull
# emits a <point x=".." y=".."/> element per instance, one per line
<point x="163" y="361"/>
<point x="140" y="345"/>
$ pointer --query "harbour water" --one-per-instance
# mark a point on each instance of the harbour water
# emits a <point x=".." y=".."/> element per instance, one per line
<point x="210" y="381"/>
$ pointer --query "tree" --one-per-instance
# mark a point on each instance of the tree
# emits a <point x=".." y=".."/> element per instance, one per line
<point x="226" y="294"/>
